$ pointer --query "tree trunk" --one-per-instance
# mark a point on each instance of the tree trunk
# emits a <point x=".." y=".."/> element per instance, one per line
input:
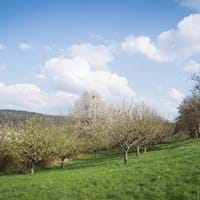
<point x="62" y="163"/>
<point x="126" y="157"/>
<point x="145" y="149"/>
<point x="191" y="134"/>
<point x="138" y="150"/>
<point x="106" y="152"/>
<point x="198" y="131"/>
<point x="95" y="153"/>
<point x="33" y="168"/>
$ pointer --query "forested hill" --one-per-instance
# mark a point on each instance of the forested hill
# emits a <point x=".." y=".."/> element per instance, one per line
<point x="15" y="117"/>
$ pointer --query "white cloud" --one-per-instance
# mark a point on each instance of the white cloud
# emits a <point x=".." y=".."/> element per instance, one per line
<point x="192" y="66"/>
<point x="75" y="75"/>
<point x="24" y="46"/>
<point x="40" y="76"/>
<point x="184" y="41"/>
<point x="1" y="84"/>
<point x="67" y="74"/>
<point x="98" y="56"/>
<point x="143" y="45"/>
<point x="176" y="94"/>
<point x="2" y="47"/>
<point x="21" y="96"/>
<point x="166" y="105"/>
<point x="193" y="4"/>
<point x="69" y="78"/>
<point x="26" y="96"/>
<point x="30" y="97"/>
<point x="85" y="69"/>
<point x="61" y="102"/>
<point x="171" y="45"/>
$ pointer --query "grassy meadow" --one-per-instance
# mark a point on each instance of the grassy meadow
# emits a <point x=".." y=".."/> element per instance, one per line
<point x="169" y="171"/>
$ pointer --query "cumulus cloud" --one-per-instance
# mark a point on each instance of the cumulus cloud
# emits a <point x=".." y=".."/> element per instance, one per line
<point x="145" y="46"/>
<point x="84" y="69"/>
<point x="184" y="41"/>
<point x="176" y="94"/>
<point x="27" y="96"/>
<point x="193" y="4"/>
<point x="21" y="96"/>
<point x="171" y="45"/>
<point x="61" y="102"/>
<point x="24" y="46"/>
<point x="98" y="56"/>
<point x="75" y="75"/>
<point x="30" y="97"/>
<point x="192" y="66"/>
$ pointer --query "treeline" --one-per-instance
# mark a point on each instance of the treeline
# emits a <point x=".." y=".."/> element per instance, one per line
<point x="35" y="144"/>
<point x="93" y="125"/>
<point x="14" y="118"/>
<point x="188" y="120"/>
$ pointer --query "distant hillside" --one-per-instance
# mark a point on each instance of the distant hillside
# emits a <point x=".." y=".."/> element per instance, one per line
<point x="15" y="117"/>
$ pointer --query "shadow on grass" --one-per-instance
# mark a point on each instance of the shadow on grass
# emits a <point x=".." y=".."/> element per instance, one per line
<point x="173" y="144"/>
<point x="99" y="160"/>
<point x="117" y="158"/>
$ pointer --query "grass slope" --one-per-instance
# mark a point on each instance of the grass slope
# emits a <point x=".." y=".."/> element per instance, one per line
<point x="171" y="171"/>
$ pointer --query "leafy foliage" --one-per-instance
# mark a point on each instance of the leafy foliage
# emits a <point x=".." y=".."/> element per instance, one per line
<point x="33" y="143"/>
<point x="188" y="120"/>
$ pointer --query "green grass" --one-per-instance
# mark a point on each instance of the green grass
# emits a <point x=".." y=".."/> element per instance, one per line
<point x="170" y="171"/>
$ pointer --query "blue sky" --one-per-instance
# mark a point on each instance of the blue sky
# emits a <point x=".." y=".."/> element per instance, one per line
<point x="52" y="51"/>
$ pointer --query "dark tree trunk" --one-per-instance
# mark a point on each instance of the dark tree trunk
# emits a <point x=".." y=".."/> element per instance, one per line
<point x="95" y="153"/>
<point x="138" y="150"/>
<point x="126" y="157"/>
<point x="62" y="163"/>
<point x="145" y="149"/>
<point x="192" y="134"/>
<point x="198" y="135"/>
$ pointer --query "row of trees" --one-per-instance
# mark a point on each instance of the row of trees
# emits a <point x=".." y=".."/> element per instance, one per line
<point x="35" y="144"/>
<point x="124" y="126"/>
<point x="92" y="126"/>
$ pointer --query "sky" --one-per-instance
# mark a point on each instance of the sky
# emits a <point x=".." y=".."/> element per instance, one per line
<point x="51" y="51"/>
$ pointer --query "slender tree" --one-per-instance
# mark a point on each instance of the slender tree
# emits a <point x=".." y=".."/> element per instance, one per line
<point x="133" y="125"/>
<point x="67" y="146"/>
<point x="122" y="127"/>
<point x="151" y="128"/>
<point x="88" y="118"/>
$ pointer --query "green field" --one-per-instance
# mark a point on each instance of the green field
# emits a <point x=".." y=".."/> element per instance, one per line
<point x="170" y="171"/>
